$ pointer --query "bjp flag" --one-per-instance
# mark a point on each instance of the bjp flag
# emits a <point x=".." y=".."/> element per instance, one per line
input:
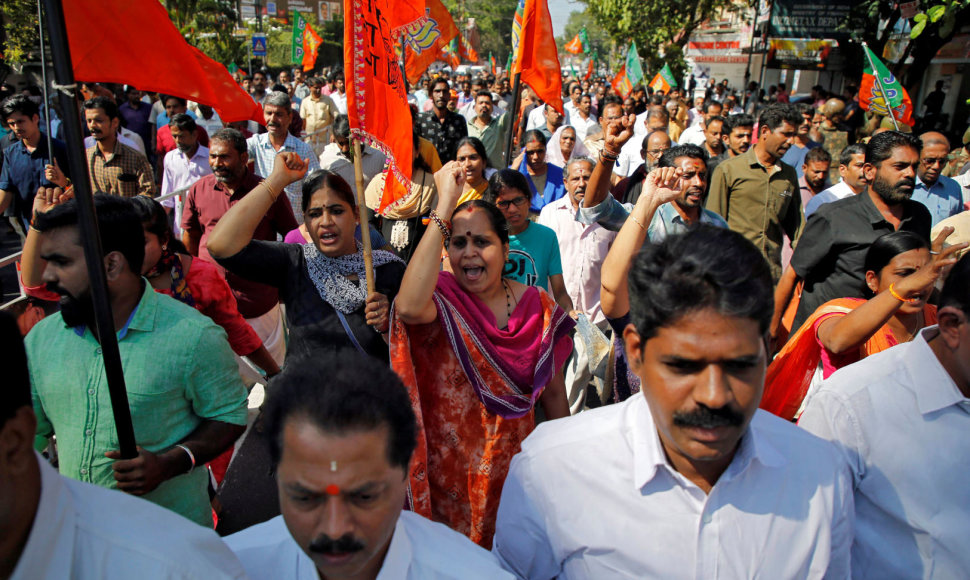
<point x="422" y="47"/>
<point x="574" y="46"/>
<point x="377" y="105"/>
<point x="536" y="59"/>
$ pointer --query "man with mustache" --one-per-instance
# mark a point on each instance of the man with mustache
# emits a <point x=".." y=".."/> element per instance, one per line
<point x="207" y="201"/>
<point x="442" y="127"/>
<point x="940" y="194"/>
<point x="187" y="402"/>
<point x="757" y="193"/>
<point x="832" y="252"/>
<point x="184" y="165"/>
<point x="341" y="435"/>
<point x="264" y="148"/>
<point x="688" y="479"/>
<point x="115" y="168"/>
<point x="583" y="247"/>
<point x="736" y="134"/>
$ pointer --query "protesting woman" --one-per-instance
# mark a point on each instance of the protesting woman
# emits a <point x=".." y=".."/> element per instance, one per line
<point x="473" y="159"/>
<point x="900" y="274"/>
<point x="322" y="283"/>
<point x="476" y="351"/>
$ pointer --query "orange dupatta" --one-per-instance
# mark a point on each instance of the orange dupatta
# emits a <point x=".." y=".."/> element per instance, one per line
<point x="790" y="373"/>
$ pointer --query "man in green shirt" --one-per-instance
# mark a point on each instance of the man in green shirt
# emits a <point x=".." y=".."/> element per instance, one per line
<point x="187" y="402"/>
<point x="491" y="130"/>
<point x="758" y="194"/>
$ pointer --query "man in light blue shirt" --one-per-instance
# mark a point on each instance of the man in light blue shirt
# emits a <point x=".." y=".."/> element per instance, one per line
<point x="670" y="218"/>
<point x="940" y="194"/>
<point x="264" y="148"/>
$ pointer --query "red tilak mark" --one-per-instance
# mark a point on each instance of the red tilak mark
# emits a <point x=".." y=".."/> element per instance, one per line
<point x="470" y="208"/>
<point x="332" y="490"/>
<point x="468" y="234"/>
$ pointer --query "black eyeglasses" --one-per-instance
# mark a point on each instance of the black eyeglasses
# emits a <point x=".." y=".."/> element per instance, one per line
<point x="517" y="202"/>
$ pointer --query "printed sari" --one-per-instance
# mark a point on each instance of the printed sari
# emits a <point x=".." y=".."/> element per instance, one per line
<point x="473" y="387"/>
<point x="790" y="374"/>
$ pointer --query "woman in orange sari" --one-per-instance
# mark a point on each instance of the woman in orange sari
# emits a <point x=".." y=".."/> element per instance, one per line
<point x="900" y="274"/>
<point x="476" y="351"/>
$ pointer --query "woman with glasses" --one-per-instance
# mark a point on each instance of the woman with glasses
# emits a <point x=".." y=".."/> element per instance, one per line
<point x="534" y="258"/>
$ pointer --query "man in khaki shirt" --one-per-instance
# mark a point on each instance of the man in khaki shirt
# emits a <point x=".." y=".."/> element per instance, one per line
<point x="756" y="193"/>
<point x="318" y="112"/>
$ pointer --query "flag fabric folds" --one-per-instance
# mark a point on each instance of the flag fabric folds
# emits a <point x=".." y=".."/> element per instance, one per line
<point x="466" y="51"/>
<point x="377" y="104"/>
<point x="134" y="42"/>
<point x="536" y="58"/>
<point x="621" y="82"/>
<point x="305" y="44"/>
<point x="449" y="53"/>
<point x="590" y="67"/>
<point x="871" y="94"/>
<point x="574" y="46"/>
<point x="584" y="39"/>
<point x="664" y="80"/>
<point x="634" y="71"/>
<point x="424" y="46"/>
<point x="492" y="67"/>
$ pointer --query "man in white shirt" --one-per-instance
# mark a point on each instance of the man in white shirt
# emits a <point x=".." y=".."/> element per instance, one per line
<point x="655" y="118"/>
<point x="853" y="182"/>
<point x="688" y="479"/>
<point x="337" y="95"/>
<point x="901" y="420"/>
<point x="583" y="249"/>
<point x="694" y="135"/>
<point x="341" y="433"/>
<point x="572" y="104"/>
<point x="337" y="156"/>
<point x="183" y="166"/>
<point x="583" y="120"/>
<point x="55" y="527"/>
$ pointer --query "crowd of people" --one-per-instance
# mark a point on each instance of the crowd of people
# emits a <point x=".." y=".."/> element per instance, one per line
<point x="710" y="333"/>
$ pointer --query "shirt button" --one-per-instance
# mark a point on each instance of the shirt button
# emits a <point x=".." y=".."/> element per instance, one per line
<point x="706" y="519"/>
<point x="84" y="471"/>
<point x="97" y="351"/>
<point x="90" y="391"/>
<point x="89" y="432"/>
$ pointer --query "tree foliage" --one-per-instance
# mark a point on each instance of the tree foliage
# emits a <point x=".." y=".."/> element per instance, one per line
<point x="19" y="37"/>
<point x="494" y="20"/>
<point x="598" y="38"/>
<point x="209" y="25"/>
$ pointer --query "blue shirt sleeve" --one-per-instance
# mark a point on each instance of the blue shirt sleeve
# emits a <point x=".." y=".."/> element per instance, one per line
<point x="609" y="213"/>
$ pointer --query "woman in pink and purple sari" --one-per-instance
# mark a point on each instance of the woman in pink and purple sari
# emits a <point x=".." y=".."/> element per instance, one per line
<point x="477" y="351"/>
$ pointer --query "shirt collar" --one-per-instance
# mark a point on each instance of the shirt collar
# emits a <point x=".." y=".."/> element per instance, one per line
<point x="397" y="560"/>
<point x="141" y="318"/>
<point x="937" y="390"/>
<point x="263" y="140"/>
<point x="649" y="456"/>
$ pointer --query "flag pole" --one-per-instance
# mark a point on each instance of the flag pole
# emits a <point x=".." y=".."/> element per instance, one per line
<point x="362" y="212"/>
<point x="43" y="73"/>
<point x="513" y="125"/>
<point x="88" y="224"/>
<point x="882" y="91"/>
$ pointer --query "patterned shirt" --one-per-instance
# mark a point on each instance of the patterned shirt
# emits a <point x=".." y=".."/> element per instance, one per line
<point x="199" y="381"/>
<point x="263" y="155"/>
<point x="444" y="135"/>
<point x="125" y="172"/>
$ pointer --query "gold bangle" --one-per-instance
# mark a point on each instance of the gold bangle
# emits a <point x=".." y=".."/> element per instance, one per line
<point x="892" y="291"/>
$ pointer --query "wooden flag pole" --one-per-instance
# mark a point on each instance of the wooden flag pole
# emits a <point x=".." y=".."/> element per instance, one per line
<point x="362" y="212"/>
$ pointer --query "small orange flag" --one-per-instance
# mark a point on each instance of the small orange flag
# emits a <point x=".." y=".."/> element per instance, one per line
<point x="537" y="59"/>
<point x="311" y="47"/>
<point x="574" y="46"/>
<point x="422" y="47"/>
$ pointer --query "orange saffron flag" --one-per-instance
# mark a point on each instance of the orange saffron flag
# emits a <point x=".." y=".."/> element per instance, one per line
<point x="536" y="59"/>
<point x="574" y="46"/>
<point x="377" y="105"/>
<point x="134" y="42"/>
<point x="311" y="47"/>
<point x="421" y="48"/>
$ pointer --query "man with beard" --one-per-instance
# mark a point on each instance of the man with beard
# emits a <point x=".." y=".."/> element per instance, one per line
<point x="257" y="88"/>
<point x="940" y="194"/>
<point x="341" y="434"/>
<point x="164" y="141"/>
<point x="736" y="134"/>
<point x="491" y="130"/>
<point x="756" y="193"/>
<point x="655" y="118"/>
<point x="318" y="111"/>
<point x="186" y="400"/>
<point x="700" y="482"/>
<point x="115" y="168"/>
<point x="852" y="169"/>
<point x="832" y="252"/>
<point x="184" y="165"/>
<point x="439" y="125"/>
<point x="653" y="146"/>
<point x="208" y="200"/>
<point x="814" y="174"/>
<point x="264" y="148"/>
<point x="583" y="247"/>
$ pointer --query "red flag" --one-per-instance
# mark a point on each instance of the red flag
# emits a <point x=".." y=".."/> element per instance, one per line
<point x="311" y="47"/>
<point x="621" y="82"/>
<point x="134" y="42"/>
<point x="589" y="70"/>
<point x="537" y="59"/>
<point x="574" y="46"/>
<point x="424" y="46"/>
<point x="377" y="105"/>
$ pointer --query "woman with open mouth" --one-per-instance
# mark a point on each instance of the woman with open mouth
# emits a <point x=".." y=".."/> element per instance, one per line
<point x="322" y="283"/>
<point x="901" y="271"/>
<point x="476" y="351"/>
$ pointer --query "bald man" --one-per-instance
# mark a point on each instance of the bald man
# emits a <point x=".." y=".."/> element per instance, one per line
<point x="940" y="194"/>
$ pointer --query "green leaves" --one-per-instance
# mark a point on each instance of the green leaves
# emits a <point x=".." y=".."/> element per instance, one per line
<point x="936" y="12"/>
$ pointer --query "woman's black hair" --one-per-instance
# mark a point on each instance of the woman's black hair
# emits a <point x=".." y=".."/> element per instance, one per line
<point x="322" y="178"/>
<point x="476" y="144"/>
<point x="506" y="178"/>
<point x="887" y="247"/>
<point x="155" y="220"/>
<point x="494" y="215"/>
